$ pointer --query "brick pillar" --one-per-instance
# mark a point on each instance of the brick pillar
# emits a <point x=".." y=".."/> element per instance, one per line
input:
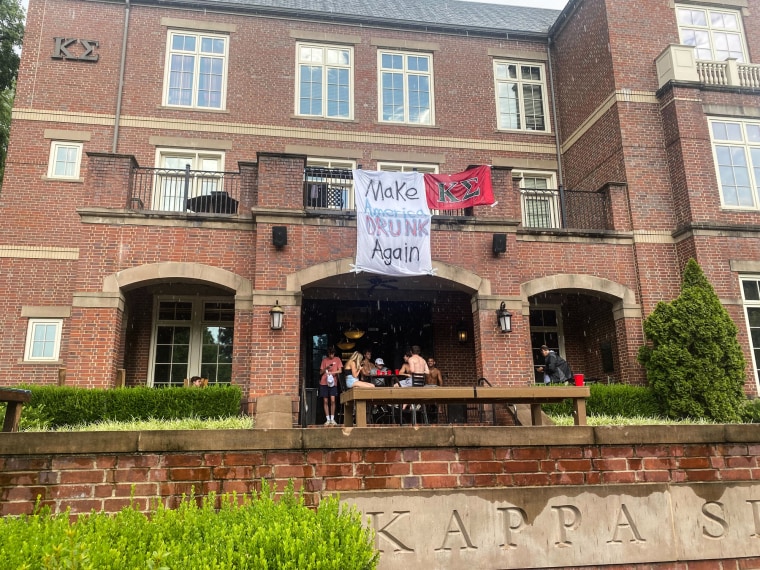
<point x="618" y="209"/>
<point x="109" y="179"/>
<point x="275" y="355"/>
<point x="630" y="337"/>
<point x="94" y="343"/>
<point x="504" y="359"/>
<point x="249" y="176"/>
<point x="280" y="180"/>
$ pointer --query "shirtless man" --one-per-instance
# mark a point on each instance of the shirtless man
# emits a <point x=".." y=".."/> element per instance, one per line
<point x="434" y="377"/>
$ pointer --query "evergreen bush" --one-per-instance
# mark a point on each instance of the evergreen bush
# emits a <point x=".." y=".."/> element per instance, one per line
<point x="257" y="533"/>
<point x="62" y="405"/>
<point x="694" y="362"/>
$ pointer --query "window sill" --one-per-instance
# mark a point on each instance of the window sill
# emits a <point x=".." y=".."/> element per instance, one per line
<point x="523" y="132"/>
<point x="57" y="179"/>
<point x="412" y="125"/>
<point x="331" y="119"/>
<point x="57" y="363"/>
<point x="193" y="109"/>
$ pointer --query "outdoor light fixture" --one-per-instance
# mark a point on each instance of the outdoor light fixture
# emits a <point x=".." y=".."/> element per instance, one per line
<point x="504" y="318"/>
<point x="462" y="332"/>
<point x="276" y="314"/>
<point x="353" y="333"/>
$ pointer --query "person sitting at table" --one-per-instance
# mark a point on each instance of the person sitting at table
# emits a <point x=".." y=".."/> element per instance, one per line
<point x="354" y="372"/>
<point x="434" y="377"/>
<point x="368" y="368"/>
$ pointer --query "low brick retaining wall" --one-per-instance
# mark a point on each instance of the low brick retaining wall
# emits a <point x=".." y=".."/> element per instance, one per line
<point x="526" y="470"/>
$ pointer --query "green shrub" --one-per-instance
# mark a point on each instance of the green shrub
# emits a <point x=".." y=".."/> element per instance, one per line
<point x="751" y="412"/>
<point x="613" y="400"/>
<point x="261" y="533"/>
<point x="694" y="363"/>
<point x="63" y="405"/>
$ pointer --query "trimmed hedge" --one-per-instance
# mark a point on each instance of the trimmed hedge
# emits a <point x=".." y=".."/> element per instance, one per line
<point x="260" y="533"/>
<point x="63" y="405"/>
<point x="614" y="400"/>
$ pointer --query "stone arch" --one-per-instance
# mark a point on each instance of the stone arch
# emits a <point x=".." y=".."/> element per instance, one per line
<point x="622" y="297"/>
<point x="191" y="272"/>
<point x="460" y="278"/>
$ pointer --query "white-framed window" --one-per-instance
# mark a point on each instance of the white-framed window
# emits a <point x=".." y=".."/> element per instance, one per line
<point x="329" y="183"/>
<point x="43" y="340"/>
<point x="65" y="160"/>
<point x="175" y="188"/>
<point x="540" y="199"/>
<point x="191" y="337"/>
<point x="736" y="150"/>
<point x="325" y="81"/>
<point x="521" y="96"/>
<point x="716" y="33"/>
<point x="196" y="70"/>
<point x="406" y="87"/>
<point x="751" y="297"/>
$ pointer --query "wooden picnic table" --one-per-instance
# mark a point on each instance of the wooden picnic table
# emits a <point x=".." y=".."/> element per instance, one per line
<point x="358" y="398"/>
<point x="15" y="398"/>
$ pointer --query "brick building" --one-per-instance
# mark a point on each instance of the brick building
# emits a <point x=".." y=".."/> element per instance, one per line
<point x="177" y="169"/>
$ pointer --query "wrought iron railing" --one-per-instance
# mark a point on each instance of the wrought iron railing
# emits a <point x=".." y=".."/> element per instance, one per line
<point x="173" y="190"/>
<point x="333" y="189"/>
<point x="571" y="209"/>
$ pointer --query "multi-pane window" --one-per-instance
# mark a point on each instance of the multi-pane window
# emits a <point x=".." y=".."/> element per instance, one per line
<point x="196" y="70"/>
<point x="406" y="87"/>
<point x="716" y="34"/>
<point x="176" y="187"/>
<point x="736" y="148"/>
<point x="65" y="159"/>
<point x="329" y="183"/>
<point x="540" y="201"/>
<point x="324" y="81"/>
<point x="43" y="339"/>
<point x="751" y="296"/>
<point x="520" y="96"/>
<point x="424" y="169"/>
<point x="192" y="338"/>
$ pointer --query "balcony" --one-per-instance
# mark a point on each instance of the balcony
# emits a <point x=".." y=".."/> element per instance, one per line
<point x="194" y="191"/>
<point x="678" y="63"/>
<point x="333" y="189"/>
<point x="565" y="209"/>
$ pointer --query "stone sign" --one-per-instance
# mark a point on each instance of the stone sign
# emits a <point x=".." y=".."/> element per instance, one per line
<point x="537" y="527"/>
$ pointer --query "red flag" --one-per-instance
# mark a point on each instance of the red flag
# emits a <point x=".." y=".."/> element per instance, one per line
<point x="462" y="190"/>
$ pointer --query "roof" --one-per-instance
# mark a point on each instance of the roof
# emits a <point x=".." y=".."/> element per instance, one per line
<point x="493" y="18"/>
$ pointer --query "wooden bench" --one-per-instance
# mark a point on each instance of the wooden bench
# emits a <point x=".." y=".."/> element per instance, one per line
<point x="15" y="399"/>
<point x="535" y="396"/>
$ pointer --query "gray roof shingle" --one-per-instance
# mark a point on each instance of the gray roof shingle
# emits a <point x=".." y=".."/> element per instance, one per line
<point x="492" y="18"/>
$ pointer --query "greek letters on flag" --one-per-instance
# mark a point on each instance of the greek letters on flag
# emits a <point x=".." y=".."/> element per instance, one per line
<point x="461" y="190"/>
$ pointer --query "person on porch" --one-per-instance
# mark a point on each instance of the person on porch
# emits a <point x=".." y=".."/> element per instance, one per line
<point x="354" y="372"/>
<point x="556" y="369"/>
<point x="329" y="370"/>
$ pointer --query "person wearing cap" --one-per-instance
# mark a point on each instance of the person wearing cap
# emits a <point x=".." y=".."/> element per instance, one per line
<point x="380" y="366"/>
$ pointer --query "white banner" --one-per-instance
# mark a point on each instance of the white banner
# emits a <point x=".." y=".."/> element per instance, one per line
<point x="392" y="223"/>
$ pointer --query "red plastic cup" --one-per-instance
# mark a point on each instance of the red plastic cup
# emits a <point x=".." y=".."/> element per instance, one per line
<point x="397" y="370"/>
<point x="578" y="379"/>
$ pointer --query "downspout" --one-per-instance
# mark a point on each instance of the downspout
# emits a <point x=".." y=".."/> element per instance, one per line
<point x="554" y="112"/>
<point x="560" y="177"/>
<point x="122" y="65"/>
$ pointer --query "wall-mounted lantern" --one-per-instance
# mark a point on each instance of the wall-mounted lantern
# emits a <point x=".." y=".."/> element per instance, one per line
<point x="276" y="315"/>
<point x="504" y="318"/>
<point x="462" y="332"/>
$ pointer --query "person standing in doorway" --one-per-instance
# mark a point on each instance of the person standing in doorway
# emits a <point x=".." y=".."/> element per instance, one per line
<point x="329" y="370"/>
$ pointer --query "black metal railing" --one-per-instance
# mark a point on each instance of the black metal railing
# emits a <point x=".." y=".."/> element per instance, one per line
<point x="562" y="208"/>
<point x="333" y="188"/>
<point x="173" y="190"/>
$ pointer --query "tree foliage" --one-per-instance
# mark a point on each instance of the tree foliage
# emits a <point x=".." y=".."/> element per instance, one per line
<point x="11" y="36"/>
<point x="694" y="363"/>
